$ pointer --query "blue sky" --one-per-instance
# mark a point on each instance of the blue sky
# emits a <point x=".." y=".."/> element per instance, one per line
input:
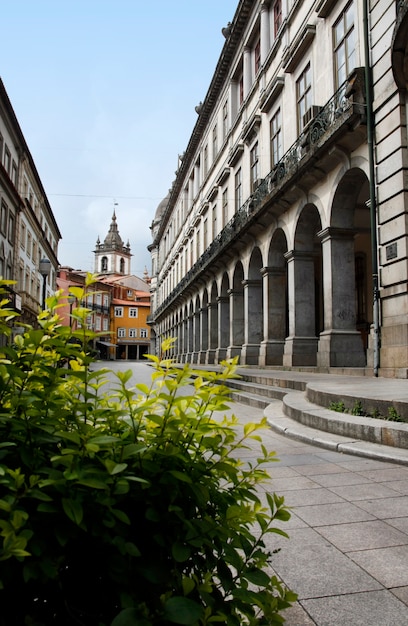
<point x="104" y="91"/>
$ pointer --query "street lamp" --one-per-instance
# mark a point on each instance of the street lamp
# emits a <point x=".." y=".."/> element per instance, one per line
<point x="45" y="268"/>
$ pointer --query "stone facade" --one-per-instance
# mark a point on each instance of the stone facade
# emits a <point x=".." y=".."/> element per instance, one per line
<point x="28" y="229"/>
<point x="283" y="238"/>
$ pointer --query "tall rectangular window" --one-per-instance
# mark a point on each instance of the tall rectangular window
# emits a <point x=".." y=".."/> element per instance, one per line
<point x="215" y="141"/>
<point x="214" y="221"/>
<point x="344" y="45"/>
<point x="3" y="219"/>
<point x="225" y="120"/>
<point x="121" y="332"/>
<point x="133" y="312"/>
<point x="238" y="189"/>
<point x="205" y="161"/>
<point x="275" y="129"/>
<point x="257" y="57"/>
<point x="225" y="206"/>
<point x="254" y="165"/>
<point x="304" y="95"/>
<point x="118" y="311"/>
<point x="132" y="333"/>
<point x="205" y="233"/>
<point x="144" y="333"/>
<point x="277" y="16"/>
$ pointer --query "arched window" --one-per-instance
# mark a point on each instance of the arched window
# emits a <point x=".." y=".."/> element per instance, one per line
<point x="104" y="264"/>
<point x="122" y="266"/>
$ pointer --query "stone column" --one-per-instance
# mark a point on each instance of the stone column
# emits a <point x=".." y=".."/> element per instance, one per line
<point x="340" y="344"/>
<point x="253" y="321"/>
<point x="274" y="305"/>
<point x="301" y="344"/>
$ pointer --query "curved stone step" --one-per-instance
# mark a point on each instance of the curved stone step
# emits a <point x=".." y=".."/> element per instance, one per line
<point x="297" y="406"/>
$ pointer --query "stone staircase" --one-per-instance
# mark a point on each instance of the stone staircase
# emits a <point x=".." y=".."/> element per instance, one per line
<point x="297" y="404"/>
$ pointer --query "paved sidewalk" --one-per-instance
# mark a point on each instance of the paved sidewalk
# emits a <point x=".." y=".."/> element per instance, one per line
<point x="347" y="556"/>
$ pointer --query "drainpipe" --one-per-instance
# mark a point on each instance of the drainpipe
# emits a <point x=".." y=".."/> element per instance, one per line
<point x="373" y="200"/>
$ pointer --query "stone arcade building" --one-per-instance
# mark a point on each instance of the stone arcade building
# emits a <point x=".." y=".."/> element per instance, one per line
<point x="283" y="238"/>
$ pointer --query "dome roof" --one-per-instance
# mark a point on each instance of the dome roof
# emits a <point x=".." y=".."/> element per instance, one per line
<point x="161" y="208"/>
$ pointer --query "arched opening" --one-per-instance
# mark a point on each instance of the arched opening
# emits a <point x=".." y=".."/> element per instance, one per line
<point x="305" y="290"/>
<point x="237" y="312"/>
<point x="224" y="319"/>
<point x="276" y="320"/>
<point x="347" y="275"/>
<point x="104" y="264"/>
<point x="253" y="298"/>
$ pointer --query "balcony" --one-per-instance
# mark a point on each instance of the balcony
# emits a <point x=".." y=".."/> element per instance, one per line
<point x="336" y="127"/>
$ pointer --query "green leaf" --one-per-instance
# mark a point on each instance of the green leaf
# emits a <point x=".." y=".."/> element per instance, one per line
<point x="114" y="468"/>
<point x="73" y="509"/>
<point x="180" y="610"/>
<point x="130" y="617"/>
<point x="180" y="551"/>
<point x="181" y="476"/>
<point x="257" y="577"/>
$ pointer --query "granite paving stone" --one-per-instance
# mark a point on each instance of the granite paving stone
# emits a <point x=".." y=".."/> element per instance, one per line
<point x="329" y="514"/>
<point x="345" y="478"/>
<point x="365" y="491"/>
<point x="307" y="497"/>
<point x="363" y="535"/>
<point x="373" y="608"/>
<point x="387" y="565"/>
<point x="386" y="507"/>
<point x="313" y="567"/>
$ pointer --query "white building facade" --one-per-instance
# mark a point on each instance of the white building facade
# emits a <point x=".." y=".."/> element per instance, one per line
<point x="283" y="239"/>
<point x="28" y="230"/>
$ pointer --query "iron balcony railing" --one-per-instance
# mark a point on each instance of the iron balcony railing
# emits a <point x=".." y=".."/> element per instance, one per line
<point x="348" y="101"/>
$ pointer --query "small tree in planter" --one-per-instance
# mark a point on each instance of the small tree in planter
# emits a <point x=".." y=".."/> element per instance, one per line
<point x="128" y="507"/>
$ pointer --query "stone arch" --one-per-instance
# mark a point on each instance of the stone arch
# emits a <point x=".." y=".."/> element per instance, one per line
<point x="305" y="291"/>
<point x="212" y="322"/>
<point x="204" y="327"/>
<point x="399" y="48"/>
<point x="224" y="318"/>
<point x="276" y="322"/>
<point x="253" y="290"/>
<point x="347" y="274"/>
<point x="237" y="311"/>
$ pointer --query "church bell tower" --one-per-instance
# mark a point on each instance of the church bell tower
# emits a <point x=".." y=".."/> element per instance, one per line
<point x="112" y="256"/>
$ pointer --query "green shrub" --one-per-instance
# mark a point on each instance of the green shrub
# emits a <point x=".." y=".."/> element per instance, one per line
<point x="126" y="507"/>
<point x="337" y="406"/>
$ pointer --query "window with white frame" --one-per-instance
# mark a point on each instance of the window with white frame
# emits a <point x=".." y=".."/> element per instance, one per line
<point x="133" y="311"/>
<point x="105" y="324"/>
<point x="225" y="120"/>
<point x="238" y="189"/>
<point x="121" y="333"/>
<point x="98" y="324"/>
<point x="215" y="141"/>
<point x="118" y="311"/>
<point x="254" y="166"/>
<point x="132" y="333"/>
<point x="344" y="45"/>
<point x="304" y="95"/>
<point x="144" y="333"/>
<point x="225" y="206"/>
<point x="276" y="16"/>
<point x="205" y="160"/>
<point x="257" y="56"/>
<point x="275" y="129"/>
